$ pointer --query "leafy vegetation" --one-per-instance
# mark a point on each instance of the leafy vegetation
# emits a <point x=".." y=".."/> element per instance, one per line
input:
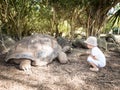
<point x="21" y="18"/>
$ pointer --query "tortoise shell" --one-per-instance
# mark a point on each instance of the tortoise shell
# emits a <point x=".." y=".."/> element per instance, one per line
<point x="37" y="47"/>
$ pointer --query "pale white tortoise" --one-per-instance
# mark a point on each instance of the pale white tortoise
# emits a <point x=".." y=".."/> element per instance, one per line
<point x="36" y="50"/>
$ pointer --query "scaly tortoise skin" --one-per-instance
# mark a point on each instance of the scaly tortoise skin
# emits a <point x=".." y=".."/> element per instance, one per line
<point x="37" y="50"/>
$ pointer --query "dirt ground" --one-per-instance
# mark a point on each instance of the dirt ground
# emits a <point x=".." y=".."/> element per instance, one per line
<point x="75" y="75"/>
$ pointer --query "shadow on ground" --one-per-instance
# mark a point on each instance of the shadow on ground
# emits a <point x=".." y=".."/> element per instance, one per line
<point x="74" y="75"/>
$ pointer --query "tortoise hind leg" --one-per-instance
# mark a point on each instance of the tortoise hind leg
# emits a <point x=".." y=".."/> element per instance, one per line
<point x="25" y="64"/>
<point x="62" y="57"/>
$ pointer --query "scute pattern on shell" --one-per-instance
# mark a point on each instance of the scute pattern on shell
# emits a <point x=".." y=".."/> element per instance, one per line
<point x="35" y="47"/>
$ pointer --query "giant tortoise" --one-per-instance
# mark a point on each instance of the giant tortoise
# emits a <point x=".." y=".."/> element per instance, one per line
<point x="37" y="50"/>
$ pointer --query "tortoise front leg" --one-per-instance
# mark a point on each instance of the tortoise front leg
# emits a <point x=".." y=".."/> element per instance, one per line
<point x="62" y="57"/>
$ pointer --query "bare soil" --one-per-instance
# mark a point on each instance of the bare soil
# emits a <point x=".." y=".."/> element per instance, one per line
<point x="75" y="75"/>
